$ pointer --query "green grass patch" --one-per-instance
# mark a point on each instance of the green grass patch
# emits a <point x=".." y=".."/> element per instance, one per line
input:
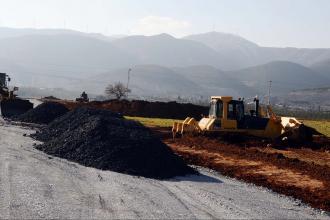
<point x="155" y="122"/>
<point x="321" y="126"/>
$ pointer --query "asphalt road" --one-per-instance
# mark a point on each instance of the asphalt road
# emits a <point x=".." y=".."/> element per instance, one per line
<point x="35" y="185"/>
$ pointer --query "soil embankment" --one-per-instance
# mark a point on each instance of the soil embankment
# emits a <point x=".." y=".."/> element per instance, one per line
<point x="43" y="113"/>
<point x="140" y="108"/>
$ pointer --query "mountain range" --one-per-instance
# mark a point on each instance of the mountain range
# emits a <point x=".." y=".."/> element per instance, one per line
<point x="196" y="65"/>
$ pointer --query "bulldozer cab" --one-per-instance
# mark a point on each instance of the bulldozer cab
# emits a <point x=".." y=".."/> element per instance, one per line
<point x="226" y="112"/>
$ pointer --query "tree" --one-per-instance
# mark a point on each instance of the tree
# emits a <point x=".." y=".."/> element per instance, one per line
<point x="117" y="90"/>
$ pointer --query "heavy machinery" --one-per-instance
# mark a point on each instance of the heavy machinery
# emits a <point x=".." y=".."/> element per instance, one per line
<point x="10" y="104"/>
<point x="83" y="97"/>
<point x="229" y="116"/>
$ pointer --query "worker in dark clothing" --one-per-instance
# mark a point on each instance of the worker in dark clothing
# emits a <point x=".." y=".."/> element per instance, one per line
<point x="84" y="96"/>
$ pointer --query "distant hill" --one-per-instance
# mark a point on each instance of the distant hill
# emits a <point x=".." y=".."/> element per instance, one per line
<point x="301" y="56"/>
<point x="214" y="81"/>
<point x="166" y="50"/>
<point x="152" y="80"/>
<point x="196" y="65"/>
<point x="6" y="32"/>
<point x="149" y="80"/>
<point x="243" y="52"/>
<point x="285" y="76"/>
<point x="246" y="53"/>
<point x="59" y="56"/>
<point x="323" y="68"/>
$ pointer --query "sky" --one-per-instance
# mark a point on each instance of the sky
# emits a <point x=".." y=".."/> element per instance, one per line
<point x="278" y="23"/>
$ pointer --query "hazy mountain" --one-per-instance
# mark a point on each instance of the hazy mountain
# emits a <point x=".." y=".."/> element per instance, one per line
<point x="153" y="80"/>
<point x="323" y="68"/>
<point x="243" y="52"/>
<point x="246" y="53"/>
<point x="149" y="80"/>
<point x="285" y="76"/>
<point x="6" y="32"/>
<point x="301" y="56"/>
<point x="196" y="65"/>
<point x="60" y="56"/>
<point x="214" y="81"/>
<point x="166" y="50"/>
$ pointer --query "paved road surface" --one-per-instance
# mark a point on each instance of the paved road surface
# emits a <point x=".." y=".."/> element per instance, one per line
<point x="34" y="185"/>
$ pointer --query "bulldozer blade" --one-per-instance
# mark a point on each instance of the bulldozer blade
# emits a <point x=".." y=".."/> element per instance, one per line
<point x="299" y="134"/>
<point x="14" y="107"/>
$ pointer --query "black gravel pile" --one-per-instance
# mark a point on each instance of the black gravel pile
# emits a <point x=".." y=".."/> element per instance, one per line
<point x="43" y="113"/>
<point x="104" y="140"/>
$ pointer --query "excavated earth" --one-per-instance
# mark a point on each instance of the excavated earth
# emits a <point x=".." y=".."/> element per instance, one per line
<point x="302" y="172"/>
<point x="145" y="109"/>
<point x="104" y="140"/>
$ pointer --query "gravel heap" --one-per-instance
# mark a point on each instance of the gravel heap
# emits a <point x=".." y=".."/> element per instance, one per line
<point x="104" y="140"/>
<point x="43" y="113"/>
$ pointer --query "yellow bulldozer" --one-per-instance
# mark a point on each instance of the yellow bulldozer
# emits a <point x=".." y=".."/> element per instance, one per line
<point x="228" y="116"/>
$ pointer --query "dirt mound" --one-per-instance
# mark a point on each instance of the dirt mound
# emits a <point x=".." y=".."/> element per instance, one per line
<point x="50" y="98"/>
<point x="43" y="113"/>
<point x="104" y="140"/>
<point x="11" y="108"/>
<point x="147" y="109"/>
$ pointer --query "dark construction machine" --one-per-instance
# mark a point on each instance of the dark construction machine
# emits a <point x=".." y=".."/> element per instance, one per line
<point x="83" y="97"/>
<point x="230" y="116"/>
<point x="10" y="104"/>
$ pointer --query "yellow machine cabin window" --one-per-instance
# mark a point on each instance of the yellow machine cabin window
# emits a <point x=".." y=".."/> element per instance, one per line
<point x="236" y="110"/>
<point x="216" y="109"/>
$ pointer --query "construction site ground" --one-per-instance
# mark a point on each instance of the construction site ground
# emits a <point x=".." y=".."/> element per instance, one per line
<point x="301" y="172"/>
<point x="36" y="185"/>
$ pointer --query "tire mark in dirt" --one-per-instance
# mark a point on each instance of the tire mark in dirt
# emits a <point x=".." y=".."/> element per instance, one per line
<point x="182" y="202"/>
<point x="100" y="177"/>
<point x="205" y="208"/>
<point x="145" y="195"/>
<point x="228" y="203"/>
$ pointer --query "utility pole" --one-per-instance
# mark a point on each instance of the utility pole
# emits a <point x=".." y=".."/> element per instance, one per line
<point x="128" y="78"/>
<point x="270" y="86"/>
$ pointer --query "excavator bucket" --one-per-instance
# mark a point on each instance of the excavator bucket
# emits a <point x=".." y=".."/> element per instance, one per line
<point x="14" y="107"/>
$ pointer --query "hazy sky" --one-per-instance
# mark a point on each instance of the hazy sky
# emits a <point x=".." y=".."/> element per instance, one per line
<point x="292" y="23"/>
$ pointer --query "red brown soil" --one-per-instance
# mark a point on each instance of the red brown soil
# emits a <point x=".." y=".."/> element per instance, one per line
<point x="141" y="108"/>
<point x="301" y="173"/>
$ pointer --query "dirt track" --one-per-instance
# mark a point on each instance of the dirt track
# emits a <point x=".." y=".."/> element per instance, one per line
<point x="301" y="173"/>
